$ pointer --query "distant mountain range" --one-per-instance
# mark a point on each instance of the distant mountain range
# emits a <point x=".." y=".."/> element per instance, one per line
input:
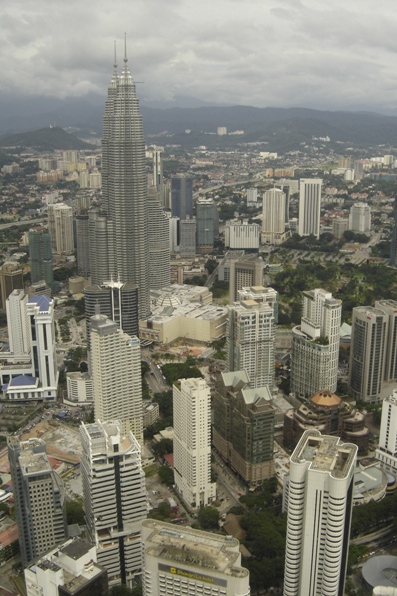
<point x="45" y="139"/>
<point x="282" y="129"/>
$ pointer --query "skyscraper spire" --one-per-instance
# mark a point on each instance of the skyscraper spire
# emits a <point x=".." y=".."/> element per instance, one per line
<point x="115" y="58"/>
<point x="125" y="49"/>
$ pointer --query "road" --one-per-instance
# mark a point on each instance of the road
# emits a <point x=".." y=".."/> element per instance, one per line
<point x="154" y="378"/>
<point x="22" y="223"/>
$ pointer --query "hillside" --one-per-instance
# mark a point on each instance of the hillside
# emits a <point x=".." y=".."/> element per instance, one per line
<point x="45" y="139"/>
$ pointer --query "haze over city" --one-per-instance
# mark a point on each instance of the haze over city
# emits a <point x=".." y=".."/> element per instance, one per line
<point x="280" y="53"/>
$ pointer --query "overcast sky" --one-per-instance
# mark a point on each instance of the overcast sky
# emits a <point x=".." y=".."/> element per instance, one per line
<point x="310" y="53"/>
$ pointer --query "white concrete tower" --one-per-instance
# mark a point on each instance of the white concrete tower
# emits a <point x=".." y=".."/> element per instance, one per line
<point x="192" y="442"/>
<point x="250" y="338"/>
<point x="309" y="206"/>
<point x="17" y="323"/>
<point x="387" y="450"/>
<point x="60" y="227"/>
<point x="114" y="498"/>
<point x="116" y="375"/>
<point x="273" y="220"/>
<point x="360" y="218"/>
<point x="40" y="314"/>
<point x="318" y="499"/>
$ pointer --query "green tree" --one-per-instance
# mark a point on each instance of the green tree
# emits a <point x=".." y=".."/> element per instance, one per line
<point x="166" y="475"/>
<point x="75" y="513"/>
<point x="208" y="518"/>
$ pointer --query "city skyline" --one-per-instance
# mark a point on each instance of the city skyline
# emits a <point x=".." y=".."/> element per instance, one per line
<point x="227" y="53"/>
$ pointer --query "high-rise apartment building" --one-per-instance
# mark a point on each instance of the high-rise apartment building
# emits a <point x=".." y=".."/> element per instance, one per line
<point x="252" y="197"/>
<point x="159" y="242"/>
<point x="207" y="224"/>
<point x="114" y="498"/>
<point x="339" y="226"/>
<point x="243" y="427"/>
<point x="318" y="498"/>
<point x="244" y="271"/>
<point x="386" y="452"/>
<point x="242" y="234"/>
<point x="116" y="300"/>
<point x="250" y="338"/>
<point x="60" y="228"/>
<point x="315" y="344"/>
<point x="390" y="368"/>
<point x="68" y="570"/>
<point x="119" y="243"/>
<point x="191" y="562"/>
<point x="309" y="206"/>
<point x="182" y="196"/>
<point x="273" y="217"/>
<point x="360" y="218"/>
<point x="83" y="246"/>
<point x="11" y="278"/>
<point x="17" y="323"/>
<point x="39" y="498"/>
<point x="192" y="442"/>
<point x="368" y="352"/>
<point x="187" y="237"/>
<point x="40" y="258"/>
<point x="116" y="375"/>
<point x="261" y="295"/>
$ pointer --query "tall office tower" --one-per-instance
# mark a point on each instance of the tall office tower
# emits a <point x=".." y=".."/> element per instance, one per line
<point x="367" y="352"/>
<point x="315" y="344"/>
<point x="360" y="218"/>
<point x="182" y="196"/>
<point x="118" y="301"/>
<point x="187" y="235"/>
<point x="393" y="247"/>
<point x="123" y="238"/>
<point x="339" y="226"/>
<point x="358" y="168"/>
<point x="116" y="375"/>
<point x="309" y="206"/>
<point x="241" y="234"/>
<point x="83" y="246"/>
<point x="386" y="452"/>
<point x="243" y="427"/>
<point x="207" y="224"/>
<point x="191" y="562"/>
<point x="261" y="295"/>
<point x="39" y="498"/>
<point x="11" y="278"/>
<point x="60" y="228"/>
<point x="41" y="323"/>
<point x="273" y="221"/>
<point x="159" y="243"/>
<point x="246" y="270"/>
<point x="345" y="162"/>
<point x="173" y="223"/>
<point x="17" y="323"/>
<point x="250" y="335"/>
<point x="158" y="180"/>
<point x="192" y="442"/>
<point x="114" y="498"/>
<point x="40" y="258"/>
<point x="318" y="499"/>
<point x="68" y="570"/>
<point x="252" y="197"/>
<point x="390" y="368"/>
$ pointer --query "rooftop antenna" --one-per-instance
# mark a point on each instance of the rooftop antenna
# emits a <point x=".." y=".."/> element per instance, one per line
<point x="125" y="49"/>
<point x="115" y="58"/>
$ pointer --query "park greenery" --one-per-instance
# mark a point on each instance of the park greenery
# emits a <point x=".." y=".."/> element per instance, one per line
<point x="208" y="518"/>
<point x="182" y="370"/>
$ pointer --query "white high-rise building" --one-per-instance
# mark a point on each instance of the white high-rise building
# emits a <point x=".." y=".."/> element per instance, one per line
<point x="17" y="323"/>
<point x="315" y="344"/>
<point x="318" y="498"/>
<point x="273" y="220"/>
<point x="360" y="218"/>
<point x="387" y="449"/>
<point x="41" y="318"/>
<point x="114" y="498"/>
<point x="250" y="338"/>
<point x="116" y="375"/>
<point x="390" y="369"/>
<point x="242" y="235"/>
<point x="368" y="352"/>
<point x="252" y="197"/>
<point x="159" y="242"/>
<point x="261" y="295"/>
<point x="191" y="562"/>
<point x="192" y="442"/>
<point x="60" y="227"/>
<point x="309" y="206"/>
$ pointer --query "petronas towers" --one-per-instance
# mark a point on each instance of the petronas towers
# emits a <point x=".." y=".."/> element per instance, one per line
<point x="119" y="242"/>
